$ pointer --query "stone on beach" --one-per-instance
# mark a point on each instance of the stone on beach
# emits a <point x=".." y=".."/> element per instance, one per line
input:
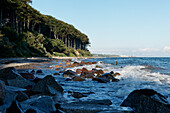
<point x="147" y="101"/>
<point x="78" y="78"/>
<point x="2" y="92"/>
<point x="27" y="75"/>
<point x="43" y="104"/>
<point x="48" y="86"/>
<point x="69" y="73"/>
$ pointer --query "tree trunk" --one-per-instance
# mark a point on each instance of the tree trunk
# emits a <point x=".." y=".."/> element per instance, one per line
<point x="1" y="17"/>
<point x="17" y="27"/>
<point x="24" y="24"/>
<point x="28" y="24"/>
<point x="66" y="41"/>
<point x="74" y="44"/>
<point x="20" y="27"/>
<point x="13" y="20"/>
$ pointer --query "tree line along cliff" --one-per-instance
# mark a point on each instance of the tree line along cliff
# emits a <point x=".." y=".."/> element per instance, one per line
<point x="24" y="31"/>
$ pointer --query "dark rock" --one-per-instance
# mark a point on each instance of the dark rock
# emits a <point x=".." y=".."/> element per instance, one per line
<point x="8" y="73"/>
<point x="13" y="78"/>
<point x="14" y="108"/>
<point x="78" y="78"/>
<point x="108" y="76"/>
<point x="36" y="80"/>
<point x="101" y="80"/>
<point x="77" y="94"/>
<point x="21" y="96"/>
<point x="147" y="101"/>
<point x="39" y="72"/>
<point x="115" y="80"/>
<point x="31" y="110"/>
<point x="19" y="82"/>
<point x="43" y="104"/>
<point x="27" y="75"/>
<point x="2" y="92"/>
<point x="47" y="86"/>
<point x="69" y="73"/>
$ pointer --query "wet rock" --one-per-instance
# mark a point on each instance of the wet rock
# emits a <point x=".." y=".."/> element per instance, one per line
<point x="47" y="86"/>
<point x="39" y="72"/>
<point x="2" y="92"/>
<point x="78" y="71"/>
<point x="56" y="74"/>
<point x="99" y="72"/>
<point x="8" y="73"/>
<point x="100" y="80"/>
<point x="89" y="76"/>
<point x="27" y="75"/>
<point x="94" y="62"/>
<point x="69" y="73"/>
<point x="31" y="110"/>
<point x="43" y="104"/>
<point x="33" y="71"/>
<point x="14" y="108"/>
<point x="77" y="94"/>
<point x="147" y="101"/>
<point x="21" y="96"/>
<point x="78" y="78"/>
<point x="20" y="82"/>
<point x="36" y="80"/>
<point x="97" y="66"/>
<point x="116" y="74"/>
<point x="115" y="80"/>
<point x="84" y="71"/>
<point x="108" y="76"/>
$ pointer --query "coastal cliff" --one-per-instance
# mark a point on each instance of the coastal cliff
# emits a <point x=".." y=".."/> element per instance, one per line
<point x="25" y="32"/>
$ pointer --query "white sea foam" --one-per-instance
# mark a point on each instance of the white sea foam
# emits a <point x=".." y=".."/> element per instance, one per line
<point x="133" y="77"/>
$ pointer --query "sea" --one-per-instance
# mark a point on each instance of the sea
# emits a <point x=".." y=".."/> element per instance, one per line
<point x="135" y="73"/>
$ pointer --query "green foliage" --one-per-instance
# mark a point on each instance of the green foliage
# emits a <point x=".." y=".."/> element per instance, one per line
<point x="85" y="53"/>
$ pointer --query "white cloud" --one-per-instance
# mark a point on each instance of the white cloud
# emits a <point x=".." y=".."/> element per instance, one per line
<point x="148" y="50"/>
<point x="166" y="48"/>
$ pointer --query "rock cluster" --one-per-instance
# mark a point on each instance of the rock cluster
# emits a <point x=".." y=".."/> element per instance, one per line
<point x="25" y="93"/>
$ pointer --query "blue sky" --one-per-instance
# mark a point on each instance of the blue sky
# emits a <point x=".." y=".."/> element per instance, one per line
<point x="122" y="27"/>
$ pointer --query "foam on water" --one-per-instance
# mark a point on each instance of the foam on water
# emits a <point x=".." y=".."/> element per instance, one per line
<point x="131" y="78"/>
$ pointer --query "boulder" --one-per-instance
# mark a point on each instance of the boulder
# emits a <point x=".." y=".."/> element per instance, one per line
<point x="101" y="80"/>
<point x="14" y="108"/>
<point x="27" y="75"/>
<point x="108" y="76"/>
<point x="78" y="71"/>
<point x="8" y="73"/>
<point x="19" y="82"/>
<point x="78" y="78"/>
<point x="89" y="76"/>
<point x="39" y="72"/>
<point x="115" y="80"/>
<point x="56" y="74"/>
<point x="2" y="92"/>
<point x="48" y="86"/>
<point x="21" y="96"/>
<point x="99" y="72"/>
<point x="42" y="104"/>
<point x="69" y="73"/>
<point x="147" y="101"/>
<point x="13" y="78"/>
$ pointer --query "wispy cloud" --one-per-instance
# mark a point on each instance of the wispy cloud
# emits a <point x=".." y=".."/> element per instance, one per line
<point x="166" y="48"/>
<point x="148" y="50"/>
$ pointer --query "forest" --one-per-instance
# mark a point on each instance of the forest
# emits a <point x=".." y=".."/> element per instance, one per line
<point x="25" y="32"/>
